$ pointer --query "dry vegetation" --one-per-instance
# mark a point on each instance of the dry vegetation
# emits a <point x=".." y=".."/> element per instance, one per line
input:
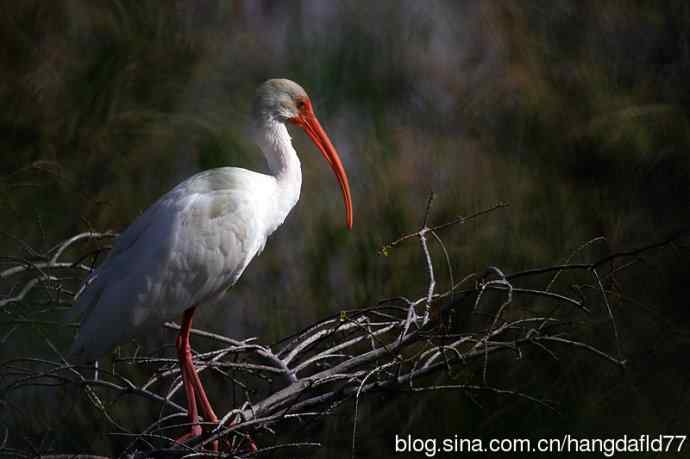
<point x="398" y="346"/>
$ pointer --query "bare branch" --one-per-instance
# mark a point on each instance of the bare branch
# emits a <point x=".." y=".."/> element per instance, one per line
<point x="388" y="346"/>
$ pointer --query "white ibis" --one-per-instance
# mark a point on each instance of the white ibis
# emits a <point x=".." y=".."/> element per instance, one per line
<point x="189" y="247"/>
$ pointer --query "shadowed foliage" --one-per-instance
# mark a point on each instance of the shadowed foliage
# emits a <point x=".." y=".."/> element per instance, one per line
<point x="575" y="113"/>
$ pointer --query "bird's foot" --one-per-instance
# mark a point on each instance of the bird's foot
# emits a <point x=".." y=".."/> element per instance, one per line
<point x="195" y="432"/>
<point x="240" y="443"/>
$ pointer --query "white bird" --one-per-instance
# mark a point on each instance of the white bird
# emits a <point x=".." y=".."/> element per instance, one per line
<point x="189" y="247"/>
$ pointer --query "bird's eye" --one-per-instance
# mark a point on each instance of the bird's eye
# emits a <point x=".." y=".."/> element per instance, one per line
<point x="301" y="104"/>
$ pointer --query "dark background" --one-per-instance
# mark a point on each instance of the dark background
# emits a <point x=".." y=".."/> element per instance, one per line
<point x="575" y="113"/>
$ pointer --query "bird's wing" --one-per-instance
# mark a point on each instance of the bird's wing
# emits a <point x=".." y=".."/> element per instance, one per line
<point x="185" y="250"/>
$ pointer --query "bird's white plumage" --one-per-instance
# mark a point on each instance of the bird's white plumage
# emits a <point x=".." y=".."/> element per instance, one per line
<point x="188" y="248"/>
<point x="194" y="243"/>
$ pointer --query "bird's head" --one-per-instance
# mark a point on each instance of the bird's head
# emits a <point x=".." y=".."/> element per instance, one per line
<point x="287" y="102"/>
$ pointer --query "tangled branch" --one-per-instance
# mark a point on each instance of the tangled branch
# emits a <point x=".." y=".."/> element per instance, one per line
<point x="394" y="345"/>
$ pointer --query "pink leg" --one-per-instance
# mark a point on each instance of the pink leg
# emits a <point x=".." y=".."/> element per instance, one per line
<point x="191" y="398"/>
<point x="188" y="365"/>
<point x="192" y="383"/>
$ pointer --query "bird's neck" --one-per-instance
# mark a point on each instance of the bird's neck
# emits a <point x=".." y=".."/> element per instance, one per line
<point x="276" y="144"/>
<point x="283" y="164"/>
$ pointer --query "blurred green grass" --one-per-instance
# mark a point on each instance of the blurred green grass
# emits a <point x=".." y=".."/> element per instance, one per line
<point x="576" y="113"/>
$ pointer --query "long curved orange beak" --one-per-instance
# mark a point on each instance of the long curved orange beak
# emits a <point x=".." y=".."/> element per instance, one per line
<point x="308" y="121"/>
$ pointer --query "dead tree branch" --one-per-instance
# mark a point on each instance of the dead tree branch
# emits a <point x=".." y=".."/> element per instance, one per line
<point x="394" y="345"/>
